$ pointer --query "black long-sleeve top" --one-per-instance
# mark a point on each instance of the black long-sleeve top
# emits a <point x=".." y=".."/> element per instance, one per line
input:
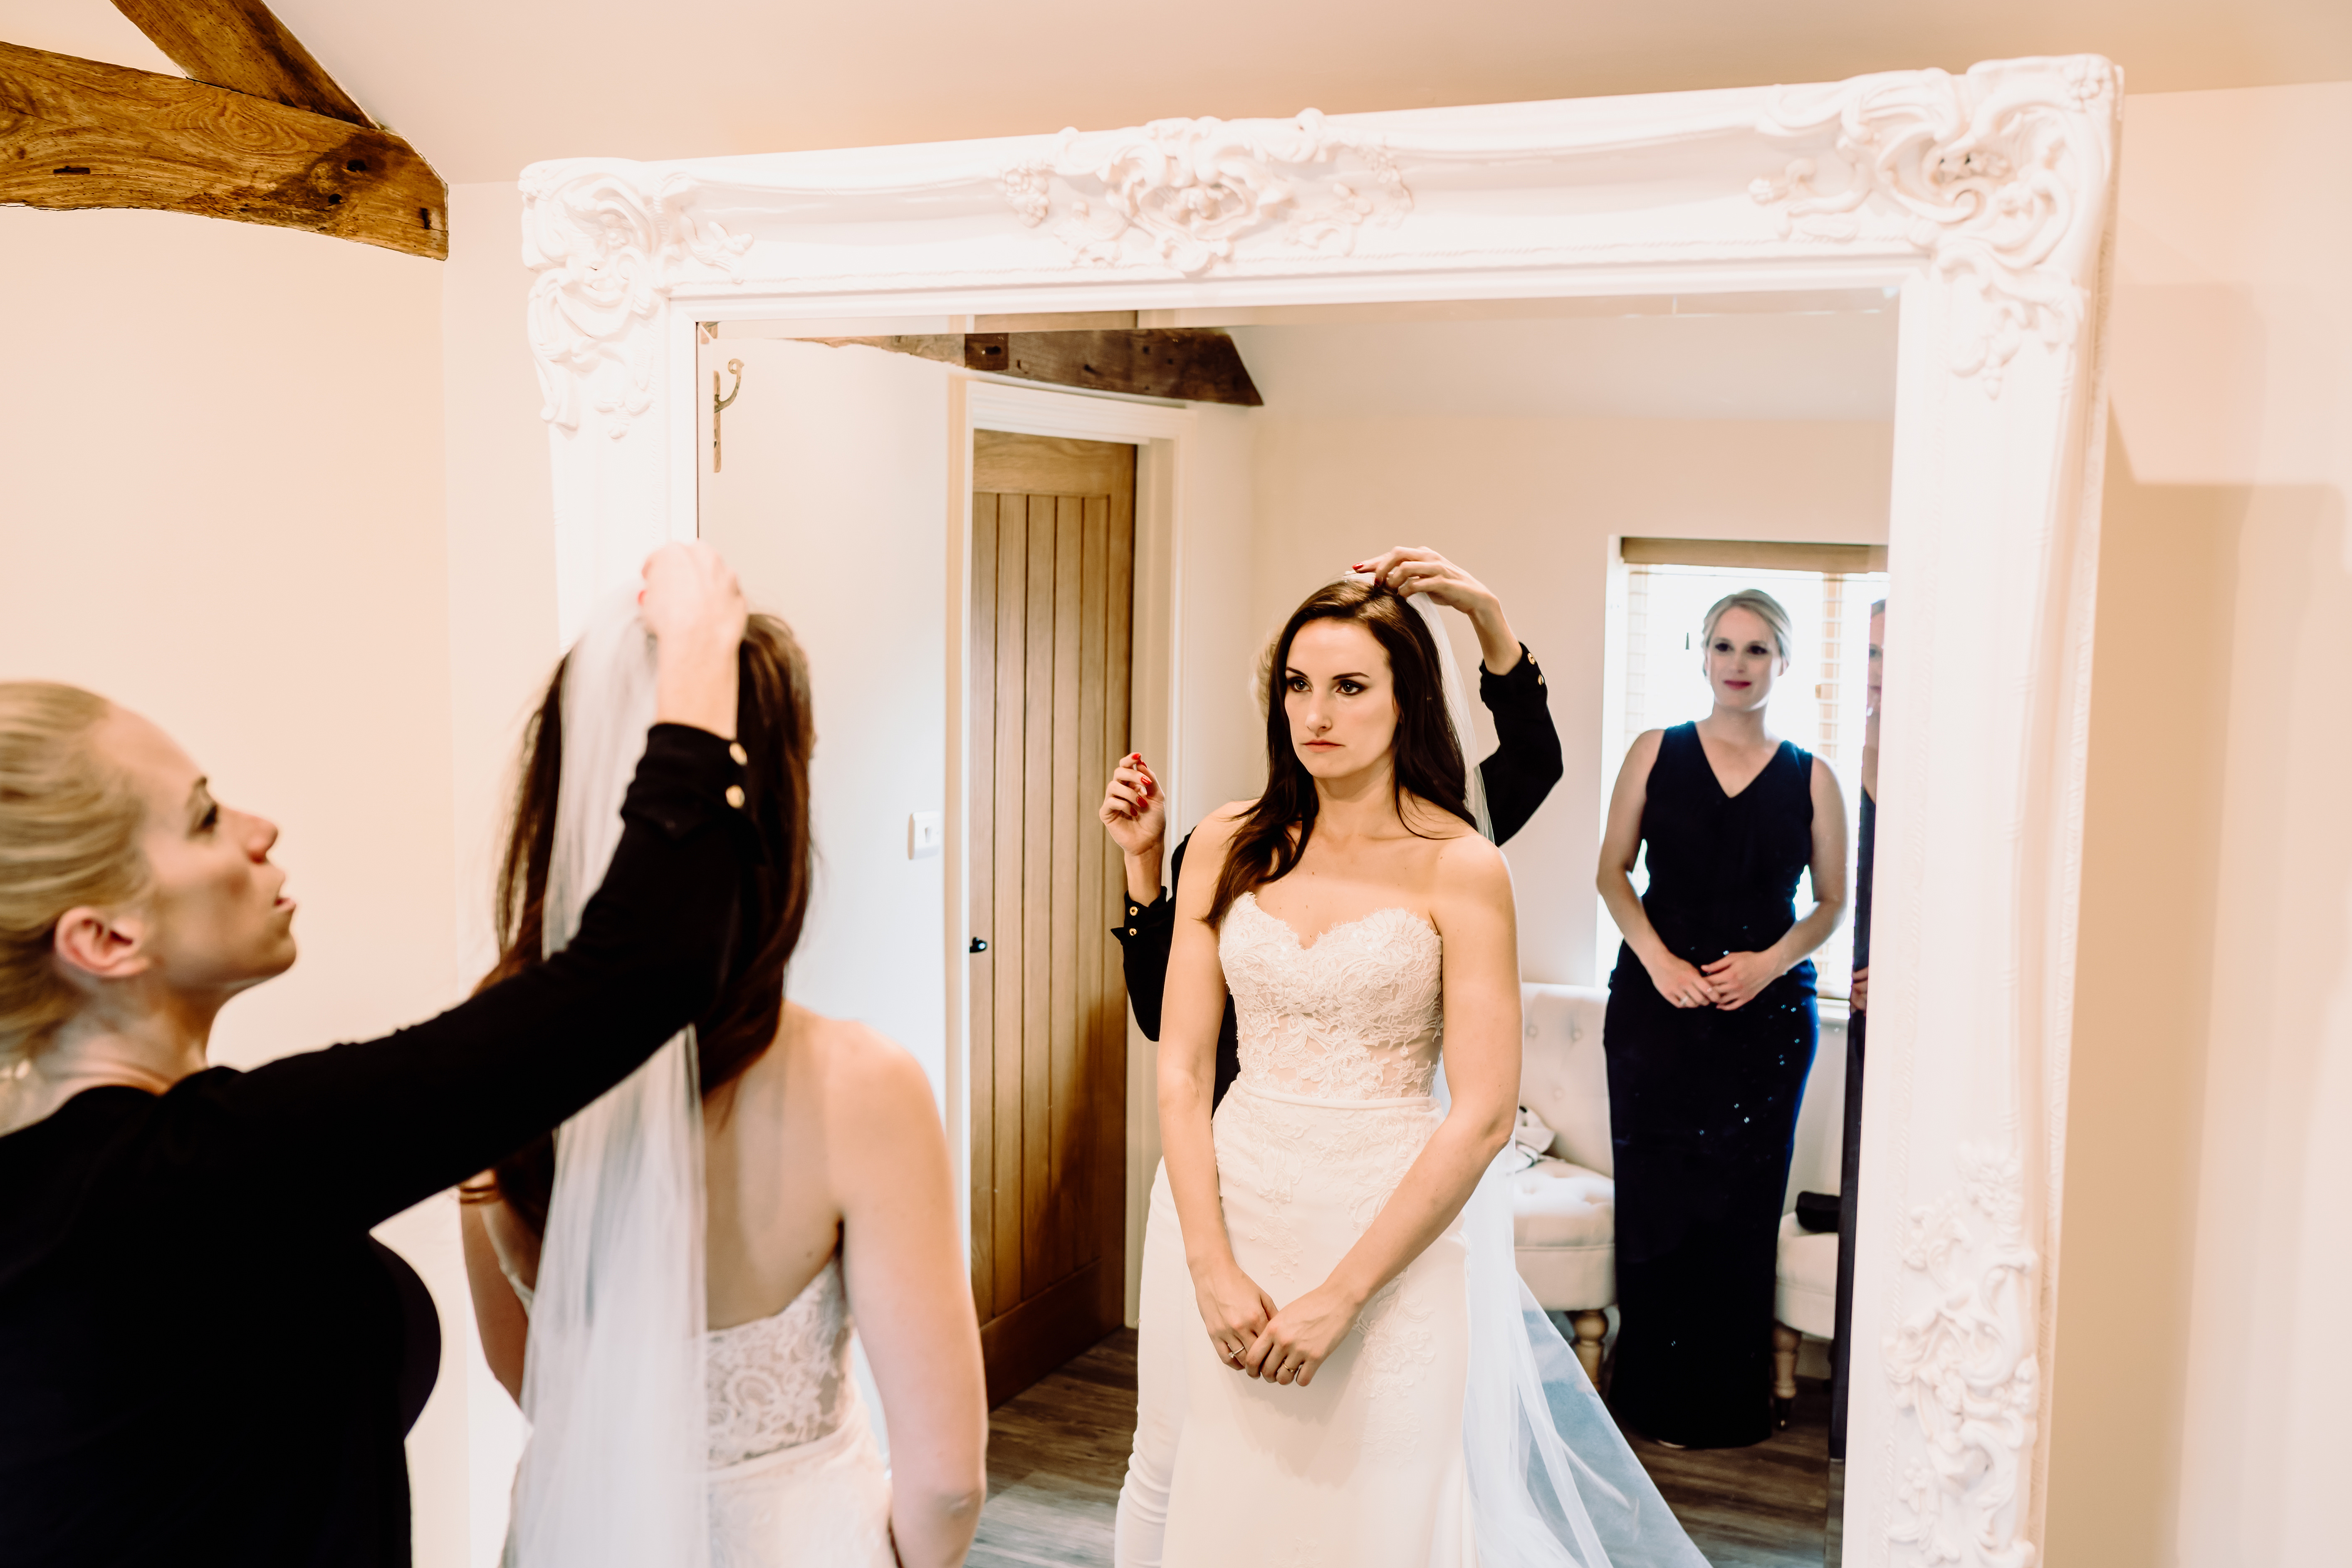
<point x="204" y="1357"/>
<point x="1525" y="764"/>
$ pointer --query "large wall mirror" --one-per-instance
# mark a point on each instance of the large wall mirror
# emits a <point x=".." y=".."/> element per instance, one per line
<point x="1033" y="441"/>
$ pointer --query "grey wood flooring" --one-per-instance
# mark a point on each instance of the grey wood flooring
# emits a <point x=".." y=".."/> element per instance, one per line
<point x="1765" y="1507"/>
<point x="1057" y="1450"/>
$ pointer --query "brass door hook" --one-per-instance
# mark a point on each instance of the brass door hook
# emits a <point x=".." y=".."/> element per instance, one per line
<point x="718" y="405"/>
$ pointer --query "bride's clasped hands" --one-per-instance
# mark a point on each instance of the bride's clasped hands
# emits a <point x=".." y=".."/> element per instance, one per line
<point x="1279" y="1344"/>
<point x="1303" y="1335"/>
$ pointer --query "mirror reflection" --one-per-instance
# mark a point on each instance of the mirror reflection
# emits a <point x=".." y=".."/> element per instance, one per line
<point x="1466" y="712"/>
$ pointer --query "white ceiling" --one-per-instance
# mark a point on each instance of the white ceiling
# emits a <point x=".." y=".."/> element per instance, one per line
<point x="484" y="87"/>
<point x="1748" y="366"/>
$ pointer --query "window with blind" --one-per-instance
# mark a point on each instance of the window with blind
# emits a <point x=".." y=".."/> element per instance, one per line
<point x="1827" y="589"/>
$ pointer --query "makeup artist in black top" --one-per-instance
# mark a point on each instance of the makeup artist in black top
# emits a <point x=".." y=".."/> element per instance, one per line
<point x="204" y="1356"/>
<point x="1525" y="764"/>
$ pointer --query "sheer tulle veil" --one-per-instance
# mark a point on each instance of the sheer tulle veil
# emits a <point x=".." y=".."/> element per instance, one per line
<point x="613" y="1383"/>
<point x="1552" y="1481"/>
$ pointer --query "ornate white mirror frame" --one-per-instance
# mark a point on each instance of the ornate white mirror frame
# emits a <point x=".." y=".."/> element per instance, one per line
<point x="1986" y="199"/>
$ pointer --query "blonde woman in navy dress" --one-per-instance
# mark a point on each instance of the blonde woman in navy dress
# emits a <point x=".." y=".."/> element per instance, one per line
<point x="1710" y="1033"/>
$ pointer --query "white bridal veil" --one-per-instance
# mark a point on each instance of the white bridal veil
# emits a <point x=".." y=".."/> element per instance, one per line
<point x="613" y="1384"/>
<point x="1552" y="1481"/>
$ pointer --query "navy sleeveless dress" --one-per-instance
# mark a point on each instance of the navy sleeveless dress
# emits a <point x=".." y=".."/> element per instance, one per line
<point x="1703" y="1103"/>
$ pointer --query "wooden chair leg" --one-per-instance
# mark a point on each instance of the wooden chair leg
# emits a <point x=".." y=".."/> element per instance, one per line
<point x="1591" y="1327"/>
<point x="1785" y="1341"/>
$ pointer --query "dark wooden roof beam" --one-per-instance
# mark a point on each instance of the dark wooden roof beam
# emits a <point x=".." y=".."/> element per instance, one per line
<point x="78" y="133"/>
<point x="1192" y="364"/>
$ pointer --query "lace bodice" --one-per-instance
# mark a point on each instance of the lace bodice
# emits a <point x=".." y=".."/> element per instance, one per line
<point x="779" y="1381"/>
<point x="1355" y="1017"/>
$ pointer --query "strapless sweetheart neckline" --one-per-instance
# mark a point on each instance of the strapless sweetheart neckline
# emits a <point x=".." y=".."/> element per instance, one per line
<point x="1304" y="945"/>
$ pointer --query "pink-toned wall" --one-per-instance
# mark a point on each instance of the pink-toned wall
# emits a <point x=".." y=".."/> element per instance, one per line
<point x="221" y="504"/>
<point x="2203" y="1371"/>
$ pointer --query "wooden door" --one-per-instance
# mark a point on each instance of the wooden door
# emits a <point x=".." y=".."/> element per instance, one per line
<point x="1052" y="573"/>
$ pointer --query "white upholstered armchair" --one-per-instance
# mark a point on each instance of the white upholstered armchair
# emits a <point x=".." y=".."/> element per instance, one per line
<point x="1564" y="1207"/>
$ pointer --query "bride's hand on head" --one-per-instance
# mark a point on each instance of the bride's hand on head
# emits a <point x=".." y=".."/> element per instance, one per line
<point x="1302" y="1336"/>
<point x="695" y="609"/>
<point x="1232" y="1308"/>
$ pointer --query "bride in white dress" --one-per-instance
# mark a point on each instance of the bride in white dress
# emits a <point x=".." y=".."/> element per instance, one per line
<point x="694" y="1404"/>
<point x="1368" y="1386"/>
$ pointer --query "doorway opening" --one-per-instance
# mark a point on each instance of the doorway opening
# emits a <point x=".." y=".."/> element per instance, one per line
<point x="1051" y="638"/>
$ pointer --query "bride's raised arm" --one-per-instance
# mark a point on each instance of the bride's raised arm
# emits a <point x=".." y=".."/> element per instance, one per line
<point x="1477" y="925"/>
<point x="1234" y="1309"/>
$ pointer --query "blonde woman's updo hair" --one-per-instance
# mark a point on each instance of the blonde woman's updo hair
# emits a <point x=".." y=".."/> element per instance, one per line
<point x="69" y="827"/>
<point x="1765" y="608"/>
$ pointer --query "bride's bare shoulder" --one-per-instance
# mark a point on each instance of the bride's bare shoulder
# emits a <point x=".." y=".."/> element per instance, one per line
<point x="1468" y="866"/>
<point x="1217" y="829"/>
<point x="869" y="1085"/>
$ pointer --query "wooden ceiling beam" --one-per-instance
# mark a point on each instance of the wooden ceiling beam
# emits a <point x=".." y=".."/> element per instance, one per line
<point x="1198" y="364"/>
<point x="78" y="133"/>
<point x="240" y="44"/>
<point x="1193" y="364"/>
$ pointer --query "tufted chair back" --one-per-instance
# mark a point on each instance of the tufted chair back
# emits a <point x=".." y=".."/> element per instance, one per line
<point x="1563" y="1076"/>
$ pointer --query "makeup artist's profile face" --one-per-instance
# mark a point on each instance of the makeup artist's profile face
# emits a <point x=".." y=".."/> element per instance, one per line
<point x="214" y="919"/>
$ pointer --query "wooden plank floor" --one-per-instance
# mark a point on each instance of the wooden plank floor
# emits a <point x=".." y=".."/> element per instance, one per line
<point x="1056" y="1453"/>
<point x="1765" y="1507"/>
<point x="1057" y="1450"/>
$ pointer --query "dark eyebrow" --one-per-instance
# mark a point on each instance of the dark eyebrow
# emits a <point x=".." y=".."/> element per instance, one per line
<point x="1343" y="675"/>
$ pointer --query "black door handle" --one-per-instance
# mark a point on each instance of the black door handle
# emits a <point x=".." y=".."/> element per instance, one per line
<point x="980" y="944"/>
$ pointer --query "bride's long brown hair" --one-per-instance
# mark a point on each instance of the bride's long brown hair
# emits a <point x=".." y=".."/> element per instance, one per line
<point x="1427" y="755"/>
<point x="773" y="725"/>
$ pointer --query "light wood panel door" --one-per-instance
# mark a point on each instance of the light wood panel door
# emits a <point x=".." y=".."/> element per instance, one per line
<point x="1053" y="587"/>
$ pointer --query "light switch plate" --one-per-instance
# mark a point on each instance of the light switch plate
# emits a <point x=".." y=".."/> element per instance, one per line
<point x="926" y="831"/>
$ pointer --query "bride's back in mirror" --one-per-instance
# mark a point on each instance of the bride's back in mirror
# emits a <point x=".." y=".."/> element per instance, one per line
<point x="829" y="1200"/>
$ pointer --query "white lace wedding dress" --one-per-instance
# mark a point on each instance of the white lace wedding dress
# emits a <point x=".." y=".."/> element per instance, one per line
<point x="796" y="1478"/>
<point x="1452" y="1427"/>
<point x="1363" y="1467"/>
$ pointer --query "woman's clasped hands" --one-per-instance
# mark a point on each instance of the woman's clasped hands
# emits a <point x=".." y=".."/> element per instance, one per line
<point x="1254" y="1337"/>
<point x="1729" y="982"/>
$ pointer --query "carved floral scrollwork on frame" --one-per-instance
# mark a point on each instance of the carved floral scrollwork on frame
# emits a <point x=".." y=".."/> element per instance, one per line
<point x="1186" y="191"/>
<point x="606" y="252"/>
<point x="1965" y="1368"/>
<point x="1988" y="173"/>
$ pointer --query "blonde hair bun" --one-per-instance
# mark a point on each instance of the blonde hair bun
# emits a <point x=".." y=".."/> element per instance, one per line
<point x="69" y="825"/>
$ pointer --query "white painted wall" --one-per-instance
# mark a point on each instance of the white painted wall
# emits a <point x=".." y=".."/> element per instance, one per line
<point x="833" y="506"/>
<point x="221" y="505"/>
